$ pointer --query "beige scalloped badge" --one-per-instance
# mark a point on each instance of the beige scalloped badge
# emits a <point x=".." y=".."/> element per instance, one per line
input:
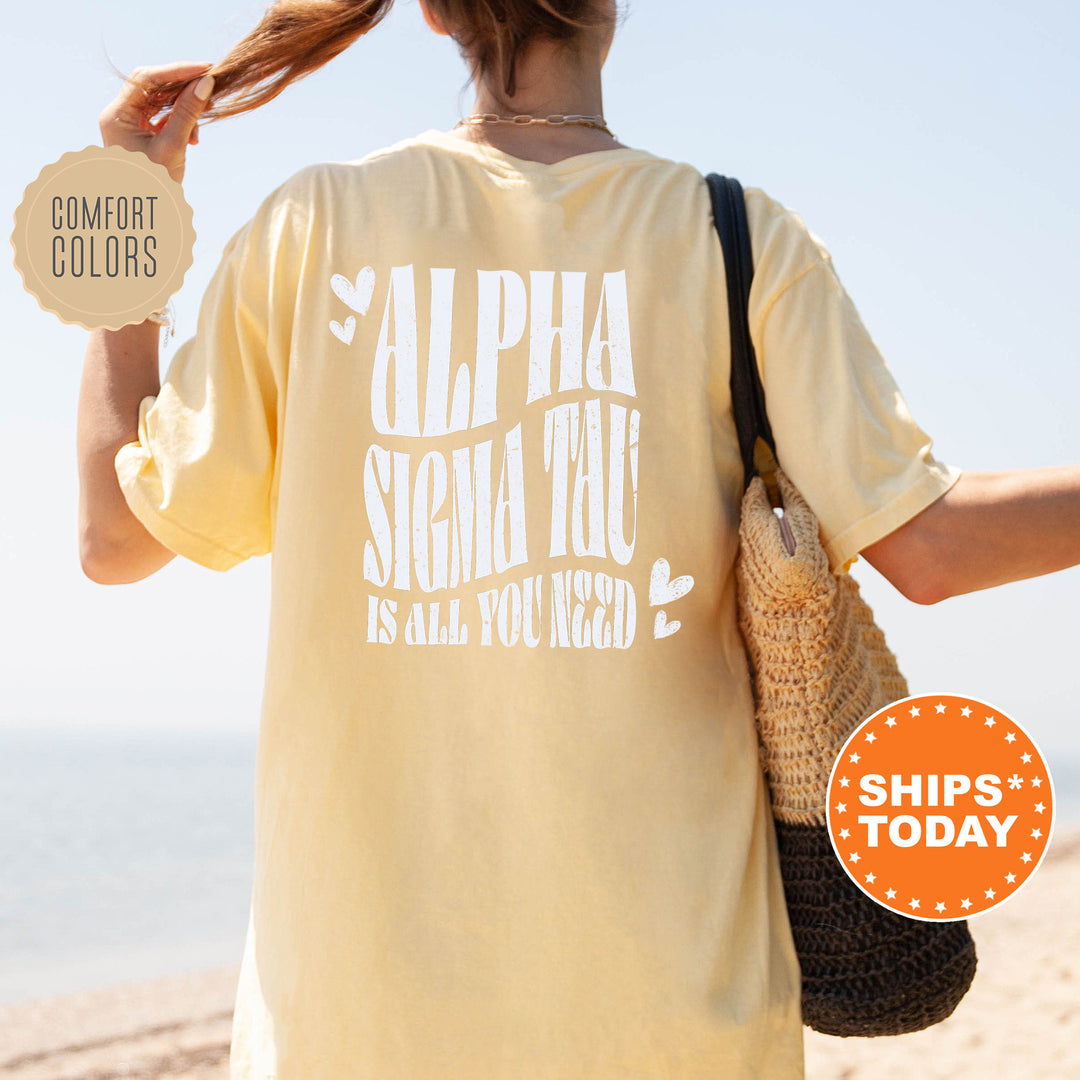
<point x="103" y="237"/>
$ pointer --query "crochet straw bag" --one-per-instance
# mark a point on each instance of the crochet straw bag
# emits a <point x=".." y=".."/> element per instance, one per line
<point x="820" y="667"/>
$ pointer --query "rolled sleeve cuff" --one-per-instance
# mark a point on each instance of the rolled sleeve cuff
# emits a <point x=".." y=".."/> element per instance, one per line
<point x="134" y="471"/>
<point x="934" y="479"/>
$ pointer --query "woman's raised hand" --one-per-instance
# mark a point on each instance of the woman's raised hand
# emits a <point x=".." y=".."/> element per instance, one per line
<point x="128" y="120"/>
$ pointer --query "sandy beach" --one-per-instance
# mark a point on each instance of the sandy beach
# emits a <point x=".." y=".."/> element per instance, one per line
<point x="1021" y="1018"/>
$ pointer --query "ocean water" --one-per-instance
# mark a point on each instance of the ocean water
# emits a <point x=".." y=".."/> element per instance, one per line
<point x="129" y="856"/>
<point x="122" y="856"/>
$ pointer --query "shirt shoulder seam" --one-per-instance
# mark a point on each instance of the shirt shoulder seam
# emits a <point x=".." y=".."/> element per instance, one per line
<point x="775" y="298"/>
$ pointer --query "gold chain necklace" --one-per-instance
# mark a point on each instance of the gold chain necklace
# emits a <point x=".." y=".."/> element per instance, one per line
<point x="555" y="120"/>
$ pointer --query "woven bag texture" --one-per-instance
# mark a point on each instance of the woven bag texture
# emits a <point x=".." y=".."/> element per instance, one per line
<point x="865" y="970"/>
<point x="821" y="666"/>
<point x="820" y="662"/>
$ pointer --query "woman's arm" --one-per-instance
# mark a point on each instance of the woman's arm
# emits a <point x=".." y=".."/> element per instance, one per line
<point x="989" y="528"/>
<point x="121" y="366"/>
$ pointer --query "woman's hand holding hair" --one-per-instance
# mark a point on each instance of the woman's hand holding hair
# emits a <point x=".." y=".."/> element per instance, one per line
<point x="121" y="366"/>
<point x="128" y="120"/>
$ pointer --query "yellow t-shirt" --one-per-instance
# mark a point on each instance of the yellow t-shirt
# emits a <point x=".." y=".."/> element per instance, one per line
<point x="510" y="823"/>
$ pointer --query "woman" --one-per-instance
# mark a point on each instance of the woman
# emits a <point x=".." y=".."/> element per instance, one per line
<point x="471" y="391"/>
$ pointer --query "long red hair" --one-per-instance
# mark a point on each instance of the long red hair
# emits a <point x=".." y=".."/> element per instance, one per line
<point x="296" y="37"/>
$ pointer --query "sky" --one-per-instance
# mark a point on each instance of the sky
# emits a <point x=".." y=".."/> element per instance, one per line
<point x="932" y="146"/>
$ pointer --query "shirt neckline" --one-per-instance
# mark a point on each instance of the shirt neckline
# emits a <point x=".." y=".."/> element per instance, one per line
<point x="510" y="164"/>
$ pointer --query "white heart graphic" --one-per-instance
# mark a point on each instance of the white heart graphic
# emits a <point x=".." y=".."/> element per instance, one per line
<point x="663" y="591"/>
<point x="357" y="296"/>
<point x="662" y="628"/>
<point x="344" y="333"/>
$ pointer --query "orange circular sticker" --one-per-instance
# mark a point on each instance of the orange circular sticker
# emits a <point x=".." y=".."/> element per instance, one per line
<point x="103" y="237"/>
<point x="940" y="807"/>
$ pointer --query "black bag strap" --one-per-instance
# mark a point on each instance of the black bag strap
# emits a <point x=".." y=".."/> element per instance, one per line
<point x="747" y="393"/>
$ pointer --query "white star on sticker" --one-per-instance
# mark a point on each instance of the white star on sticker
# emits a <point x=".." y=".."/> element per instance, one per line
<point x="844" y="781"/>
<point x="989" y="722"/>
<point x="844" y="834"/>
<point x="890" y="894"/>
<point x="913" y="903"/>
<point x="939" y="906"/>
<point x="965" y="903"/>
<point x="1036" y="833"/>
<point x="965" y="711"/>
<point x="913" y="710"/>
<point x="841" y="807"/>
<point x="1039" y="807"/>
<point x="1026" y="759"/>
<point x="854" y="857"/>
<point x="990" y="894"/>
<point x="854" y="758"/>
<point x="939" y="708"/>
<point x="891" y="722"/>
<point x="870" y="736"/>
<point x="870" y="879"/>
<point x="1026" y="857"/>
<point x="1010" y="878"/>
<point x="1011" y="737"/>
<point x="1036" y="781"/>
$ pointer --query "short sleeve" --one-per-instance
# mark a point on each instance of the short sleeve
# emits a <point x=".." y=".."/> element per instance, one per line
<point x="201" y="474"/>
<point x="844" y="434"/>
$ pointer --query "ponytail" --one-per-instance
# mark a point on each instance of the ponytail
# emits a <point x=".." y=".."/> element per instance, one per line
<point x="295" y="37"/>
